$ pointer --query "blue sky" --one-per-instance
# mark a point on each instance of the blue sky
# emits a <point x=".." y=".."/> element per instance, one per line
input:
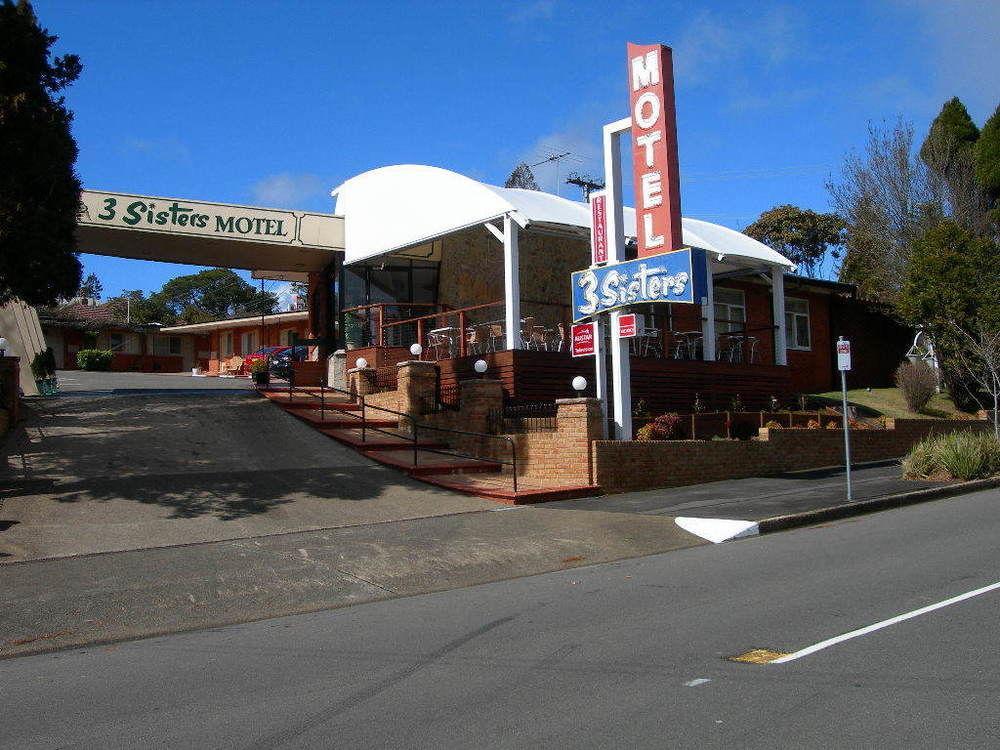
<point x="273" y="103"/>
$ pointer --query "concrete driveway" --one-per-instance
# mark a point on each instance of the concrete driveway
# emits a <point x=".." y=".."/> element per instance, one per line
<point x="101" y="471"/>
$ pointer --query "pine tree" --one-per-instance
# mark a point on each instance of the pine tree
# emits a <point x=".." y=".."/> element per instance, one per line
<point x="522" y="177"/>
<point x="988" y="157"/>
<point x="39" y="188"/>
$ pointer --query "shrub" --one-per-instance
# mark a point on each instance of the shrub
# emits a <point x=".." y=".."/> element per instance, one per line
<point x="956" y="455"/>
<point x="94" y="359"/>
<point x="772" y="425"/>
<point x="663" y="427"/>
<point x="812" y="424"/>
<point x="918" y="383"/>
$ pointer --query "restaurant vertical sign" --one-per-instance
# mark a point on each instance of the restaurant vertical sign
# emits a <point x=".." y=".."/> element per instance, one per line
<point x="656" y="178"/>
<point x="598" y="228"/>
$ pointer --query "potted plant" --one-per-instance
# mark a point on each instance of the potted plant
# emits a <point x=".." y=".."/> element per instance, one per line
<point x="260" y="370"/>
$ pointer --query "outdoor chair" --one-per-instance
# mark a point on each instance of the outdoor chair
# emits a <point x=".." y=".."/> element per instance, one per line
<point x="527" y="326"/>
<point x="496" y="336"/>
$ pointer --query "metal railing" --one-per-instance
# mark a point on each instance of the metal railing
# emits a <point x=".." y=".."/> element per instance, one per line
<point x="524" y="417"/>
<point x="417" y="427"/>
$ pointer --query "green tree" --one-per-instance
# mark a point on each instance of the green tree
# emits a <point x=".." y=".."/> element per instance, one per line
<point x="211" y="294"/>
<point x="39" y="188"/>
<point x="950" y="289"/>
<point x="951" y="133"/>
<point x="805" y="237"/>
<point x="91" y="287"/>
<point x="987" y="155"/>
<point x="135" y="308"/>
<point x="522" y="177"/>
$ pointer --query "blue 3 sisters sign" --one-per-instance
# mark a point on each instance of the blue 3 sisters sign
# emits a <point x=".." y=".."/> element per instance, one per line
<point x="678" y="276"/>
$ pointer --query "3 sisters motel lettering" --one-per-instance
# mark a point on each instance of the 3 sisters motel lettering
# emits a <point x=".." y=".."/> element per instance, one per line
<point x="677" y="276"/>
<point x="187" y="217"/>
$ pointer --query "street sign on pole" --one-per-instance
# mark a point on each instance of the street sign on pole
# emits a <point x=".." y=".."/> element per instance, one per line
<point x="844" y="364"/>
<point x="583" y="339"/>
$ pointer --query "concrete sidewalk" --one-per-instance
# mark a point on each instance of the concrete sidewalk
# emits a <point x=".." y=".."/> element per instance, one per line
<point x="759" y="498"/>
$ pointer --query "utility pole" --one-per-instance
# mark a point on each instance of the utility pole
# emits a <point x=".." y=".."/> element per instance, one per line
<point x="586" y="183"/>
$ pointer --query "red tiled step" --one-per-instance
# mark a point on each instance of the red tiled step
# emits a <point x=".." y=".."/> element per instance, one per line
<point x="377" y="440"/>
<point x="500" y="487"/>
<point x="431" y="462"/>
<point x="336" y="419"/>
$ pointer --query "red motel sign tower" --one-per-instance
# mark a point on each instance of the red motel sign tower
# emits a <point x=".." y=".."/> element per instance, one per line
<point x="654" y="148"/>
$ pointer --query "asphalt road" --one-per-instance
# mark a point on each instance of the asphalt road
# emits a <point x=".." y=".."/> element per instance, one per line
<point x="616" y="655"/>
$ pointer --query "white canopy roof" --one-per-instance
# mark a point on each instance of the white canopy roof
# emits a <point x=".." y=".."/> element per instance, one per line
<point x="392" y="208"/>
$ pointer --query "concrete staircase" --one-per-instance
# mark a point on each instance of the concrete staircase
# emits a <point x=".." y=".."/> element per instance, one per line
<point x="428" y="460"/>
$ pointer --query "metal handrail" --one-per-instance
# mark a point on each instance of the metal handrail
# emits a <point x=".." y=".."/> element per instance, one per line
<point x="420" y="425"/>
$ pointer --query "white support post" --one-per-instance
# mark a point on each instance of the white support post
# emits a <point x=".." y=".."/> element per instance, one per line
<point x="511" y="283"/>
<point x="778" y="307"/>
<point x="620" y="365"/>
<point x="708" y="315"/>
<point x="601" y="372"/>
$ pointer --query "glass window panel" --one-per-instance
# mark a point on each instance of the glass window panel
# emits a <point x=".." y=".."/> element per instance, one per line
<point x="802" y="331"/>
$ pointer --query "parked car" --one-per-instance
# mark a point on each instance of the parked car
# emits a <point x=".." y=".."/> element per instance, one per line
<point x="281" y="362"/>
<point x="265" y="352"/>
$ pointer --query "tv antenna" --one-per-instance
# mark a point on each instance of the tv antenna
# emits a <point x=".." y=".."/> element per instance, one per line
<point x="554" y="158"/>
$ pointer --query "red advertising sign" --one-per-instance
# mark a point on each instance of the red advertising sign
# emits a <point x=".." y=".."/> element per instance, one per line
<point x="583" y="339"/>
<point x="598" y="228"/>
<point x="627" y="326"/>
<point x="654" y="149"/>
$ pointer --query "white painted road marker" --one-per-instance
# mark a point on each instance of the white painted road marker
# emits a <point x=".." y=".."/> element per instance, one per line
<point x="884" y="624"/>
<point x="717" y="530"/>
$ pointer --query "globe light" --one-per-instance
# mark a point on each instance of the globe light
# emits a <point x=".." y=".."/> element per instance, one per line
<point x="361" y="363"/>
<point x="480" y="366"/>
<point x="579" y="383"/>
<point x="416" y="350"/>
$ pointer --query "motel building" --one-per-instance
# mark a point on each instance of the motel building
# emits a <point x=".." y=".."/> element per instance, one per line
<point x="422" y="255"/>
<point x="446" y="309"/>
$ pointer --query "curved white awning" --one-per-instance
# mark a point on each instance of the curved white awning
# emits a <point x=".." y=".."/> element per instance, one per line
<point x="392" y="208"/>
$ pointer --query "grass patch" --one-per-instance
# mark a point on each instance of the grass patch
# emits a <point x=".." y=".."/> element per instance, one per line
<point x="890" y="403"/>
<point x="955" y="455"/>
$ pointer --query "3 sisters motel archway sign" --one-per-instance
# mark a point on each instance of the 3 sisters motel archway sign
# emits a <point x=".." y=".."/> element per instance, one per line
<point x="664" y="271"/>
<point x="272" y="243"/>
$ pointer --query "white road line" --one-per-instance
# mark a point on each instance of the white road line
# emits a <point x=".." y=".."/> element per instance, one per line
<point x="696" y="682"/>
<point x="884" y="624"/>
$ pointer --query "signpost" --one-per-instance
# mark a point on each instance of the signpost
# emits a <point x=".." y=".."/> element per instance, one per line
<point x="844" y="365"/>
<point x="584" y="339"/>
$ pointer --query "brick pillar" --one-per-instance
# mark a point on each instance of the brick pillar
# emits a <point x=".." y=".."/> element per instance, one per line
<point x="416" y="383"/>
<point x="578" y="424"/>
<point x="478" y="398"/>
<point x="361" y="381"/>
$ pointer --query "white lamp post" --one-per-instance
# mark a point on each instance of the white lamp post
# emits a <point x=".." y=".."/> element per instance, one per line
<point x="361" y="363"/>
<point x="579" y="384"/>
<point x="416" y="350"/>
<point x="480" y="366"/>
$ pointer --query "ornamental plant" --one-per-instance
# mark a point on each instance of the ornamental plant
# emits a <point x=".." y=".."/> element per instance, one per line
<point x="94" y="359"/>
<point x="955" y="455"/>
<point x="918" y="382"/>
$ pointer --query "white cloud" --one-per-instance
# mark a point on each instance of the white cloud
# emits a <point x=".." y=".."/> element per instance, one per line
<point x="287" y="190"/>
<point x="168" y="148"/>
<point x="540" y="10"/>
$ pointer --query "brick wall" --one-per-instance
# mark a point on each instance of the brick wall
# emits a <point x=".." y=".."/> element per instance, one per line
<point x="623" y="466"/>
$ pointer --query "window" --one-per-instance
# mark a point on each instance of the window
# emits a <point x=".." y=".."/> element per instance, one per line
<point x="730" y="310"/>
<point x="248" y="343"/>
<point x="226" y="343"/>
<point x="797" y="324"/>
<point x="289" y="338"/>
<point x="174" y="344"/>
<point x="116" y="342"/>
